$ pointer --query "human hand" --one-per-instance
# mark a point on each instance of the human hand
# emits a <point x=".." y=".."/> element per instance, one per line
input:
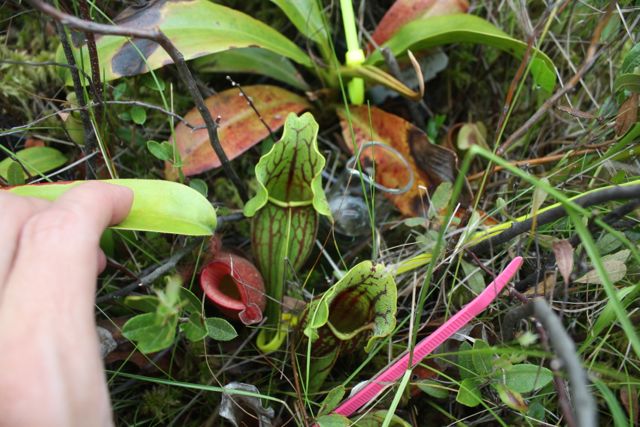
<point x="51" y="373"/>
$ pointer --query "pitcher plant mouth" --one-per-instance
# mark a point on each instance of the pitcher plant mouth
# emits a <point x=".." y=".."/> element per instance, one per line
<point x="235" y="286"/>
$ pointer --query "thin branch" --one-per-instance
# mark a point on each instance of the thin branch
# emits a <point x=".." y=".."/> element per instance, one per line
<point x="89" y="135"/>
<point x="597" y="197"/>
<point x="550" y="262"/>
<point x="96" y="88"/>
<point x="156" y="272"/>
<point x="584" y="405"/>
<point x="159" y="37"/>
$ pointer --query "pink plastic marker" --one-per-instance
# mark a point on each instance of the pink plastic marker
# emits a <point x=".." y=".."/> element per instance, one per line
<point x="394" y="372"/>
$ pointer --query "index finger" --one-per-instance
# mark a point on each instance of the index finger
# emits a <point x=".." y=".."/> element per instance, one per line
<point x="57" y="251"/>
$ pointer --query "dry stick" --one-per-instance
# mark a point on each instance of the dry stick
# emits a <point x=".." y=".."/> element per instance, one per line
<point x="597" y="197"/>
<point x="253" y="106"/>
<point x="96" y="88"/>
<point x="585" y="408"/>
<point x="185" y="74"/>
<point x="558" y="382"/>
<point x="586" y="65"/>
<point x="89" y="135"/>
<point x="611" y="218"/>
<point x="151" y="276"/>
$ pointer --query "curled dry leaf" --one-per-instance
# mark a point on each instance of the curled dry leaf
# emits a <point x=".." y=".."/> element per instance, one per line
<point x="405" y="11"/>
<point x="239" y="127"/>
<point x="431" y="164"/>
<point x="627" y="115"/>
<point x="243" y="410"/>
<point x="564" y="259"/>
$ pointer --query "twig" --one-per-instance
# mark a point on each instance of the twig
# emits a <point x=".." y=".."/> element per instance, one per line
<point x="533" y="162"/>
<point x="96" y="87"/>
<point x="155" y="273"/>
<point x="253" y="106"/>
<point x="611" y="218"/>
<point x="89" y="136"/>
<point x="597" y="197"/>
<point x="589" y="60"/>
<point x="159" y="37"/>
<point x="585" y="408"/>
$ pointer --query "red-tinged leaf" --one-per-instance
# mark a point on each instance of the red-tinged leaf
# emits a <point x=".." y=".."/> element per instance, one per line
<point x="239" y="127"/>
<point x="431" y="164"/>
<point x="405" y="11"/>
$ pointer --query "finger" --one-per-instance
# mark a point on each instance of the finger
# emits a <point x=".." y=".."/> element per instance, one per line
<point x="102" y="262"/>
<point x="56" y="263"/>
<point x="15" y="211"/>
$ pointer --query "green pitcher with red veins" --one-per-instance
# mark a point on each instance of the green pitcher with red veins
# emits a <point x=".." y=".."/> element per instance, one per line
<point x="285" y="213"/>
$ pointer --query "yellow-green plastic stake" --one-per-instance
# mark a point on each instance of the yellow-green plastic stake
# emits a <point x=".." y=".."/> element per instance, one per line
<point x="355" y="55"/>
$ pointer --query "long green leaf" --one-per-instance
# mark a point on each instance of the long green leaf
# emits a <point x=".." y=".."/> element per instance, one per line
<point x="196" y="28"/>
<point x="252" y="60"/>
<point x="306" y="15"/>
<point x="37" y="160"/>
<point x="160" y="206"/>
<point x="628" y="81"/>
<point x="434" y="31"/>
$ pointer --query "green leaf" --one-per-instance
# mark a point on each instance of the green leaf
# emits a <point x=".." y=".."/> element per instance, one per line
<point x="191" y="302"/>
<point x="37" y="160"/>
<point x="469" y="392"/>
<point x="138" y="115"/>
<point x="482" y="358"/>
<point x="440" y="198"/>
<point x="252" y="60"/>
<point x="306" y="15"/>
<point x="474" y="278"/>
<point x="433" y="389"/>
<point x="333" y="420"/>
<point x="376" y="419"/>
<point x="196" y="28"/>
<point x="627" y="81"/>
<point x="220" y="329"/>
<point x="150" y="332"/>
<point x="465" y="362"/>
<point x="194" y="329"/>
<point x="631" y="60"/>
<point x="434" y="31"/>
<point x="161" y="150"/>
<point x="332" y="400"/>
<point x="15" y="174"/>
<point x="525" y="377"/>
<point x="200" y="186"/>
<point x="158" y="206"/>
<point x="144" y="303"/>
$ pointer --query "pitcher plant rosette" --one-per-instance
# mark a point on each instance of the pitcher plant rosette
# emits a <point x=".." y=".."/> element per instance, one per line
<point x="285" y="213"/>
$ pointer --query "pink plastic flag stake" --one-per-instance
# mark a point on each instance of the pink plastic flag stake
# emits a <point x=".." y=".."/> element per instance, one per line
<point x="394" y="372"/>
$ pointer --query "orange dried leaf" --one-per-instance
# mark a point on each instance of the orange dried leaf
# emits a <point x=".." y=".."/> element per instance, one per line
<point x="239" y="126"/>
<point x="431" y="164"/>
<point x="404" y="11"/>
